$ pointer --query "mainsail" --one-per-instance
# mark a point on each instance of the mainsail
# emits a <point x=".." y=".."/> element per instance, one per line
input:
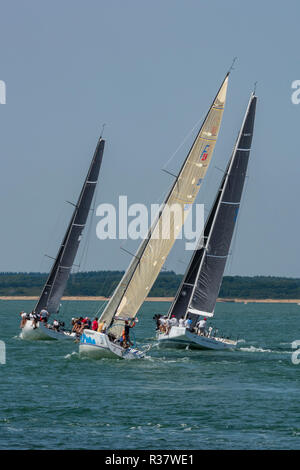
<point x="201" y="283"/>
<point x="59" y="274"/>
<point x="152" y="253"/>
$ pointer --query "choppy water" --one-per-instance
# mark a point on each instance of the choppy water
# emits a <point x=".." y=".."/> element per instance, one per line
<point x="175" y="399"/>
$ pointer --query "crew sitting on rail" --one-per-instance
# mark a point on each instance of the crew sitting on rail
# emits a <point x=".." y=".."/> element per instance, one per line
<point x="171" y="322"/>
<point x="44" y="314"/>
<point x="157" y="318"/>
<point x="34" y="317"/>
<point x="163" y="323"/>
<point x="77" y="326"/>
<point x="86" y="323"/>
<point x="23" y="319"/>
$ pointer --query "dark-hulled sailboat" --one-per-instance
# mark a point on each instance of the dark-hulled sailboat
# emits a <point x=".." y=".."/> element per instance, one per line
<point x="52" y="292"/>
<point x="199" y="289"/>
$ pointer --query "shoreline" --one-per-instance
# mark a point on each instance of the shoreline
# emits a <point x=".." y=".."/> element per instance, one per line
<point x="157" y="299"/>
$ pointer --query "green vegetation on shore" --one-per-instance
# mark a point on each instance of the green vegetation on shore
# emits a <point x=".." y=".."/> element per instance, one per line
<point x="103" y="283"/>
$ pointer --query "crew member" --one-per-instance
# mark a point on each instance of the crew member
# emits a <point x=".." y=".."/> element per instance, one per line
<point x="95" y="324"/>
<point x="201" y="327"/>
<point x="125" y="340"/>
<point x="23" y="319"/>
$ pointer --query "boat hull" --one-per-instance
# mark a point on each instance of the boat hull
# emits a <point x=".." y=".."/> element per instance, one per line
<point x="41" y="332"/>
<point x="181" y="337"/>
<point x="97" y="345"/>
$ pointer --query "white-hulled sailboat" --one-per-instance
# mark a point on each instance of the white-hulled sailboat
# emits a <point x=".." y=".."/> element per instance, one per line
<point x="52" y="292"/>
<point x="197" y="295"/>
<point x="153" y="251"/>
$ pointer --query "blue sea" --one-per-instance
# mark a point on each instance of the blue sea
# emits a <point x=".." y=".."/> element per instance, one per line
<point x="51" y="398"/>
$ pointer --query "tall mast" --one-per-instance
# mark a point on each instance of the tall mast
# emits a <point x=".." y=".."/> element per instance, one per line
<point x="151" y="255"/>
<point x="60" y="271"/>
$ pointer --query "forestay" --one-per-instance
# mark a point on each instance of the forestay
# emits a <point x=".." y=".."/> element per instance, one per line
<point x="59" y="274"/>
<point x="153" y="251"/>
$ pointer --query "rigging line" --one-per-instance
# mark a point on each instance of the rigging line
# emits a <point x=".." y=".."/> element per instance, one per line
<point x="102" y="131"/>
<point x="220" y="169"/>
<point x="101" y="308"/>
<point x="184" y="140"/>
<point x="232" y="65"/>
<point x="83" y="257"/>
<point x="52" y="238"/>
<point x="90" y="222"/>
<point x="234" y="240"/>
<point x="99" y="311"/>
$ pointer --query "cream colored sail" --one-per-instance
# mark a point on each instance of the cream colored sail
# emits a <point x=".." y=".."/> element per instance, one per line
<point x="153" y="251"/>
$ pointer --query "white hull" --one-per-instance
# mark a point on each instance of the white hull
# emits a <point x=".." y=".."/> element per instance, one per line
<point x="98" y="345"/>
<point x="181" y="337"/>
<point x="41" y="332"/>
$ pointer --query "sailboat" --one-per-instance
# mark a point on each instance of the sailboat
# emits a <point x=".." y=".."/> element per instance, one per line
<point x="197" y="295"/>
<point x="151" y="255"/>
<point x="54" y="287"/>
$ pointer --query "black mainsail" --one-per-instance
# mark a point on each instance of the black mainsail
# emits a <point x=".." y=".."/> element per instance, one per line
<point x="199" y="289"/>
<point x="59" y="274"/>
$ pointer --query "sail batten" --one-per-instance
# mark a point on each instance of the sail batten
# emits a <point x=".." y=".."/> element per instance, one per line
<point x="60" y="271"/>
<point x="206" y="268"/>
<point x="151" y="255"/>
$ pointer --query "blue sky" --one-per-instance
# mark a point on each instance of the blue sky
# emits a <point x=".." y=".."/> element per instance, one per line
<point x="149" y="70"/>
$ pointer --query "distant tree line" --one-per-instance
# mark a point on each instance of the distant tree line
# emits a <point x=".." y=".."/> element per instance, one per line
<point x="103" y="283"/>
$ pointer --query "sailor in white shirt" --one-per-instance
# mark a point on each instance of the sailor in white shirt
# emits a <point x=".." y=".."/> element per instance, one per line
<point x="181" y="322"/>
<point x="162" y="324"/>
<point x="168" y="325"/>
<point x="201" y="327"/>
<point x="23" y="319"/>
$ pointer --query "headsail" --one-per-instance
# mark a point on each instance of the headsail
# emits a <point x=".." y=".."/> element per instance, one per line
<point x="201" y="283"/>
<point x="151" y="255"/>
<point x="59" y="274"/>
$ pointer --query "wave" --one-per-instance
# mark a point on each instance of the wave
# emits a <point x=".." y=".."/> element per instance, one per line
<point x="70" y="355"/>
<point x="262" y="350"/>
<point x="254" y="349"/>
